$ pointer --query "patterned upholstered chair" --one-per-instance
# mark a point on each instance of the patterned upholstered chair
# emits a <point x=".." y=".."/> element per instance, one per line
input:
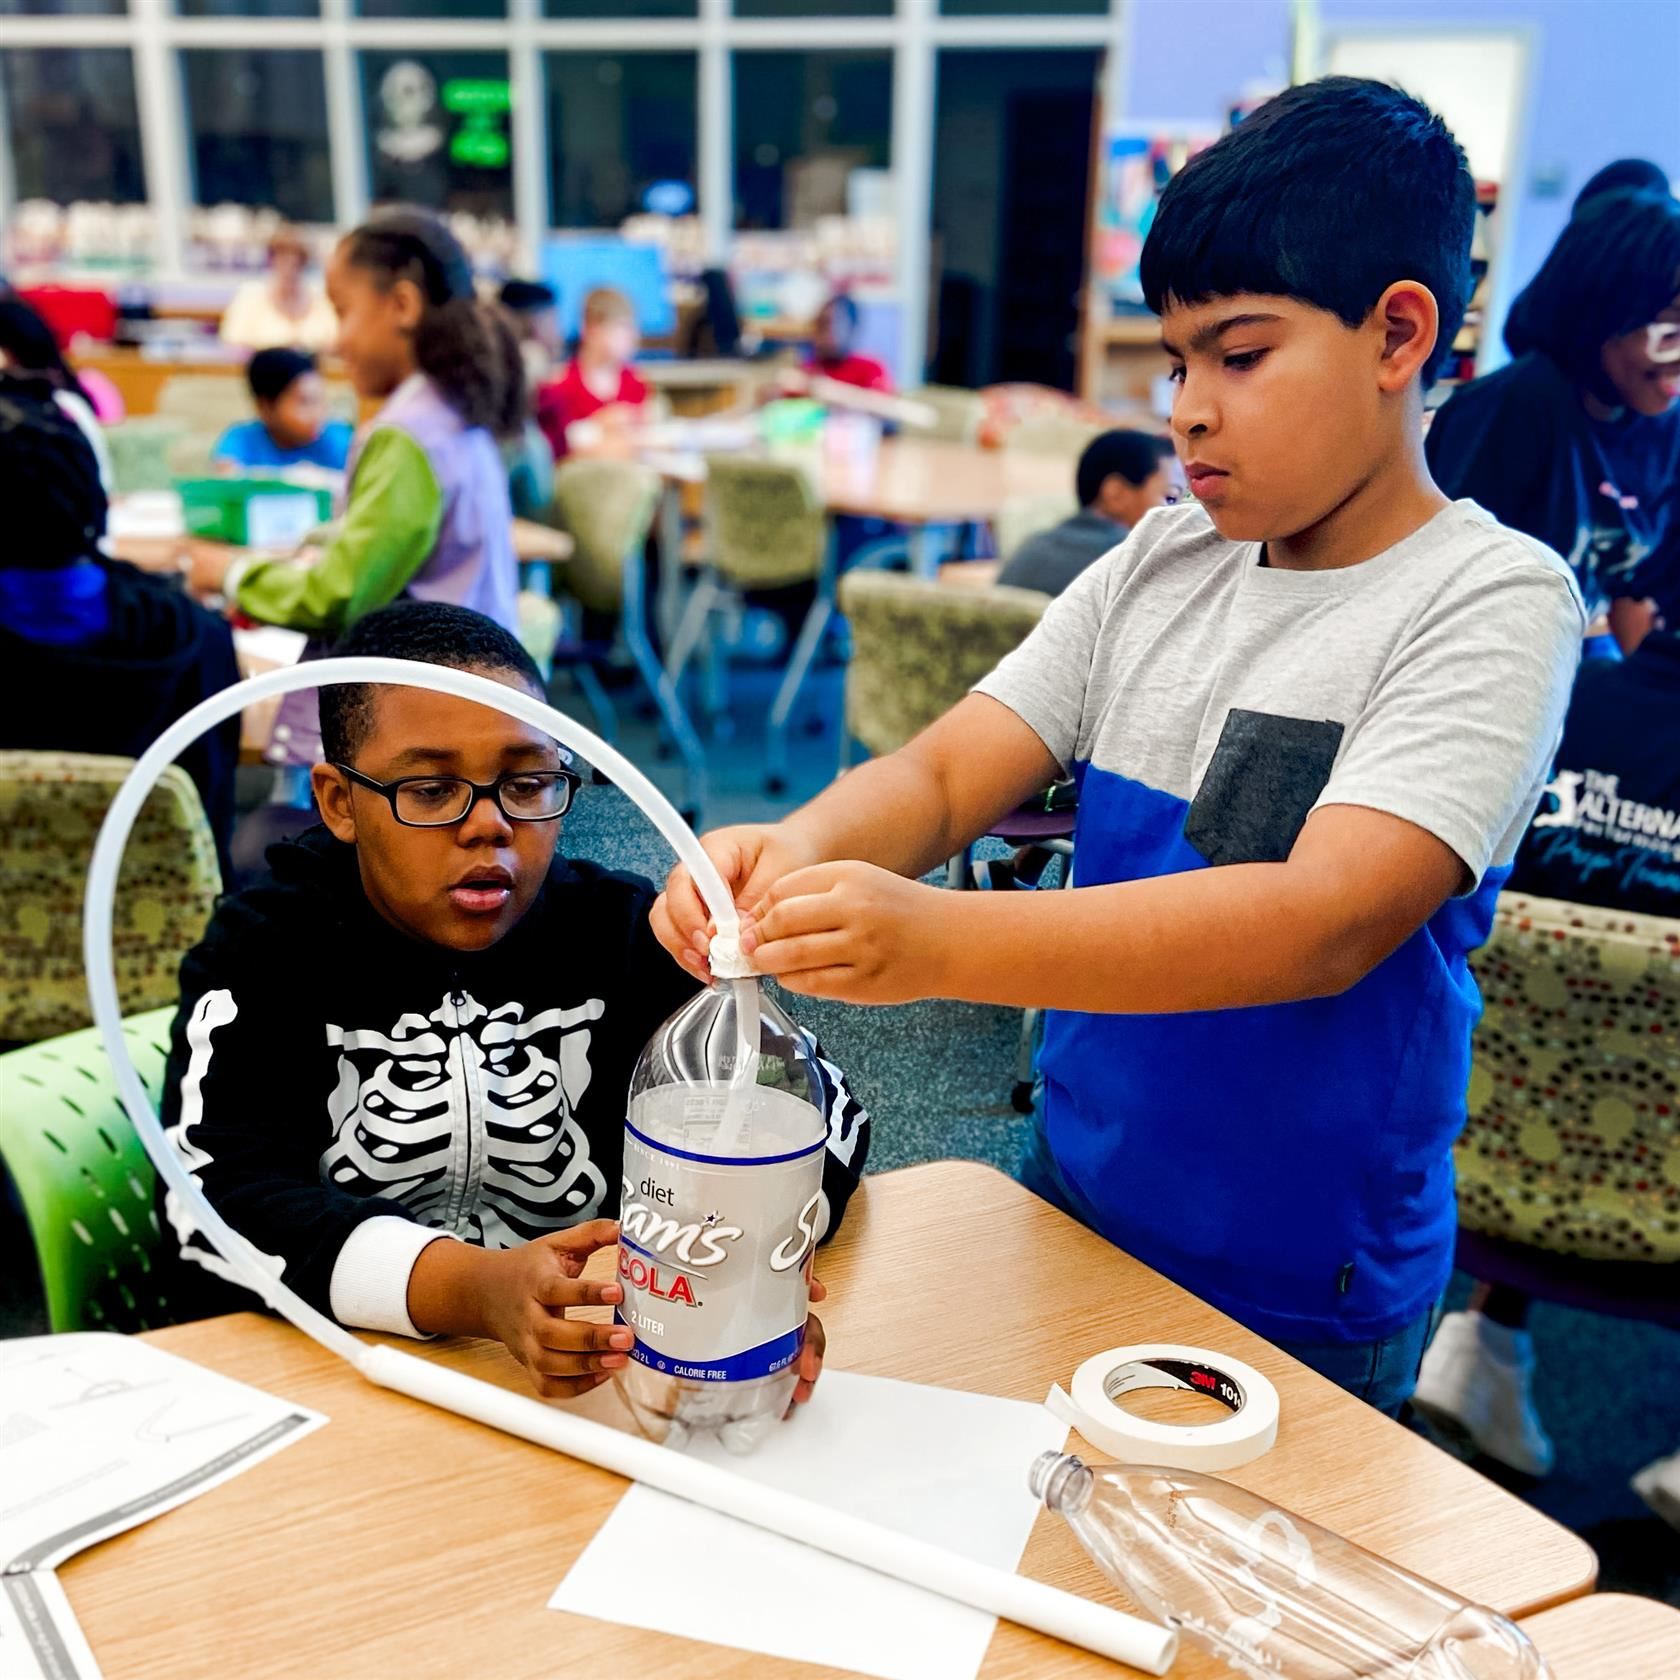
<point x="206" y="401"/>
<point x="1569" y="1168"/>
<point x="51" y="807"/>
<point x="1053" y="434"/>
<point x="607" y="508"/>
<point x="958" y="413"/>
<point x="140" y="452"/>
<point x="765" y="529"/>
<point x="917" y="649"/>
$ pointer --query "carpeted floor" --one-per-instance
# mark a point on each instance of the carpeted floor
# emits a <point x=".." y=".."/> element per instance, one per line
<point x="937" y="1076"/>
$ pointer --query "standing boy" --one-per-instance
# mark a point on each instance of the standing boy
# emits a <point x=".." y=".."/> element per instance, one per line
<point x="1309" y="715"/>
<point x="401" y="1062"/>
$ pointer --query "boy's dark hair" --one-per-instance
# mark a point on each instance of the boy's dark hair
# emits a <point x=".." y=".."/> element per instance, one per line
<point x="527" y="297"/>
<point x="1615" y="266"/>
<point x="27" y="342"/>
<point x="466" y="348"/>
<point x="1624" y="175"/>
<point x="428" y="632"/>
<point x="49" y="480"/>
<point x="1328" y="193"/>
<point x="271" y="373"/>
<point x="1133" y="455"/>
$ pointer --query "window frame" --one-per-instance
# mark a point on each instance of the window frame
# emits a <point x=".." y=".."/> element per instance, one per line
<point x="915" y="32"/>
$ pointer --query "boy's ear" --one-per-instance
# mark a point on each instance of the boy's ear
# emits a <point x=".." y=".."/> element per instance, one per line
<point x="332" y="799"/>
<point x="1410" y="321"/>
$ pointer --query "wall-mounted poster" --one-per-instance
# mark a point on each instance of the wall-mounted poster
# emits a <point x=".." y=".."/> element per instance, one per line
<point x="1136" y="166"/>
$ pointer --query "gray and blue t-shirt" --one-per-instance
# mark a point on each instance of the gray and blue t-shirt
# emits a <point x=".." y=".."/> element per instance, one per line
<point x="1291" y="1163"/>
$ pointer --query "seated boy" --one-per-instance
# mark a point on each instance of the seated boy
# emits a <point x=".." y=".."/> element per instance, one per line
<point x="291" y="428"/>
<point x="96" y="656"/>
<point x="401" y="1062"/>
<point x="833" y="348"/>
<point x="1120" y="477"/>
<point x="598" y="385"/>
<point x="1309" y="713"/>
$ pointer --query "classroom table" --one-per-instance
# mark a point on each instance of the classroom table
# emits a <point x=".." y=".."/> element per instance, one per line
<point x="1609" y="1636"/>
<point x="405" y="1540"/>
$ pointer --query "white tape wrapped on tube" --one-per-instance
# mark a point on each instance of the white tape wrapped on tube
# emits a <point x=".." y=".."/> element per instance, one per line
<point x="1108" y="1632"/>
<point x="1224" y="1444"/>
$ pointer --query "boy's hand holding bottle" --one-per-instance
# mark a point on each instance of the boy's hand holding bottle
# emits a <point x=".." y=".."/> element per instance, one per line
<point x="520" y="1297"/>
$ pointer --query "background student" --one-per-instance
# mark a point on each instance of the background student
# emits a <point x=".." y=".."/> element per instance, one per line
<point x="95" y="655"/>
<point x="1577" y="441"/>
<point x="834" y="352"/>
<point x="426" y="509"/>
<point x="28" y="350"/>
<point x="1259" y="1044"/>
<point x="1121" y="476"/>
<point x="282" y="308"/>
<point x="1621" y="741"/>
<point x="599" y="384"/>
<point x="291" y="428"/>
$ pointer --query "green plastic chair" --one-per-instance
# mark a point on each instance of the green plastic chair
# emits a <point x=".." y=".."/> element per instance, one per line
<point x="83" y="1175"/>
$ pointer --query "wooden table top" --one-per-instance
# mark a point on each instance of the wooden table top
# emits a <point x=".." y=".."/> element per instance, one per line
<point x="403" y="1540"/>
<point x="1610" y="1636"/>
<point x="918" y="481"/>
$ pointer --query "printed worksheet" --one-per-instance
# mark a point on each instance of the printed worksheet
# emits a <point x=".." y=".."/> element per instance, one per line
<point x="97" y="1434"/>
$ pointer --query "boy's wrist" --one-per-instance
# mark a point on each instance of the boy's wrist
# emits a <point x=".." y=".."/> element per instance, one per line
<point x="448" y="1289"/>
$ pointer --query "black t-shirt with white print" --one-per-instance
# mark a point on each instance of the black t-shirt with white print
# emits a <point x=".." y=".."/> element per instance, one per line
<point x="326" y="1070"/>
<point x="1608" y="831"/>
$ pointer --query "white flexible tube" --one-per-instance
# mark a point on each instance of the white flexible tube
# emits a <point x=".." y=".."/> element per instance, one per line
<point x="1109" y="1632"/>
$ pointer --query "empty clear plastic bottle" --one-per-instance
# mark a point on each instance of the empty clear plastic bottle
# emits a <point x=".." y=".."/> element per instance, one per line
<point x="721" y="1197"/>
<point x="1273" y="1595"/>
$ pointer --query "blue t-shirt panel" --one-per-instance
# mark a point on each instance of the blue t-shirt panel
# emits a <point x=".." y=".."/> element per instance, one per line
<point x="1289" y="1163"/>
<point x="248" y="444"/>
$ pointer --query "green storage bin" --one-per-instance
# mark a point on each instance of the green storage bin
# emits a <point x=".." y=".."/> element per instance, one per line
<point x="252" y="512"/>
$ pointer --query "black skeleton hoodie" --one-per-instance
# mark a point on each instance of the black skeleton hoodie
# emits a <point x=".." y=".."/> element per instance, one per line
<point x="344" y="1094"/>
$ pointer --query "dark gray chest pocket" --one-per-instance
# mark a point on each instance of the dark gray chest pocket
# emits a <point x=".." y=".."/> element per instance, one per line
<point x="1260" y="784"/>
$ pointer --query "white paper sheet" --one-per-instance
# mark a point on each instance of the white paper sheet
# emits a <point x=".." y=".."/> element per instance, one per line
<point x="100" y="1432"/>
<point x="40" y="1638"/>
<point x="944" y="1465"/>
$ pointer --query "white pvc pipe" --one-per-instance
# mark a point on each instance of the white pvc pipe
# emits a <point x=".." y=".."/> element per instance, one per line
<point x="1063" y="1615"/>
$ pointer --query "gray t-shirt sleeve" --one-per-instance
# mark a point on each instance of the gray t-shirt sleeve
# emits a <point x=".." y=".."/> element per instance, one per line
<point x="1462" y="727"/>
<point x="1044" y="680"/>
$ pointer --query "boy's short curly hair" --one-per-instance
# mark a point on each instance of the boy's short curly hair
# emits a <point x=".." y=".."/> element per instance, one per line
<point x="429" y="632"/>
<point x="1328" y="193"/>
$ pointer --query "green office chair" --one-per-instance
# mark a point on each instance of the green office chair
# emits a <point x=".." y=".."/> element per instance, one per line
<point x="83" y="1175"/>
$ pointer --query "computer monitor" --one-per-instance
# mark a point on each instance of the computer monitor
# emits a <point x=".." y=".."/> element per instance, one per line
<point x="575" y="267"/>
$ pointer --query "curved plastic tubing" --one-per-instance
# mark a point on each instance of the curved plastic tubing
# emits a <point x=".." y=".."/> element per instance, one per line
<point x="1063" y="1615"/>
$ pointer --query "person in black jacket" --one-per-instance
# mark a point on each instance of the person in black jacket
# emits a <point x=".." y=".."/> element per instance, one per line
<point x="95" y="655"/>
<point x="421" y="1026"/>
<point x="1577" y="440"/>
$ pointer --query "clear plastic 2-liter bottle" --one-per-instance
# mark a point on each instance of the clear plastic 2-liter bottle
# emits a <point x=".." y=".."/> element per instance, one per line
<point x="1273" y="1595"/>
<point x="720" y="1210"/>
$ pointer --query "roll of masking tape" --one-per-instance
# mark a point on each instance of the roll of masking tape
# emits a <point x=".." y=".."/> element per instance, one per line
<point x="1224" y="1444"/>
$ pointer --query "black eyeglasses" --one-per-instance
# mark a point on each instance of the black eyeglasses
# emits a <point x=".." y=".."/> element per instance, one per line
<point x="439" y="801"/>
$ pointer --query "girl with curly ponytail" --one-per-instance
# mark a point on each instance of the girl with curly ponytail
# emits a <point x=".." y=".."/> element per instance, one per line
<point x="426" y="511"/>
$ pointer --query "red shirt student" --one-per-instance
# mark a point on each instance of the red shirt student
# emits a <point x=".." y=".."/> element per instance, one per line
<point x="597" y="384"/>
<point x="832" y="355"/>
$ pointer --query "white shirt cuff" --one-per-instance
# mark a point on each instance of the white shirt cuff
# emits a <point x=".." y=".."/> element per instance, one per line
<point x="369" y="1289"/>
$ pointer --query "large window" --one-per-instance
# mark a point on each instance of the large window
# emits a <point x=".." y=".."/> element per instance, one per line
<point x="72" y="124"/>
<point x="804" y="123"/>
<point x="258" y="128"/>
<point x="622" y="128"/>
<point x="813" y="8"/>
<point x="249" y="8"/>
<point x="438" y="130"/>
<point x="61" y="8"/>
<point x="1020" y="8"/>
<point x="593" y="9"/>
<point x="431" y="8"/>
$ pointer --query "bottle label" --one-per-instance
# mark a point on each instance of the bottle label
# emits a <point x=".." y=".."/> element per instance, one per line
<point x="713" y="1250"/>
